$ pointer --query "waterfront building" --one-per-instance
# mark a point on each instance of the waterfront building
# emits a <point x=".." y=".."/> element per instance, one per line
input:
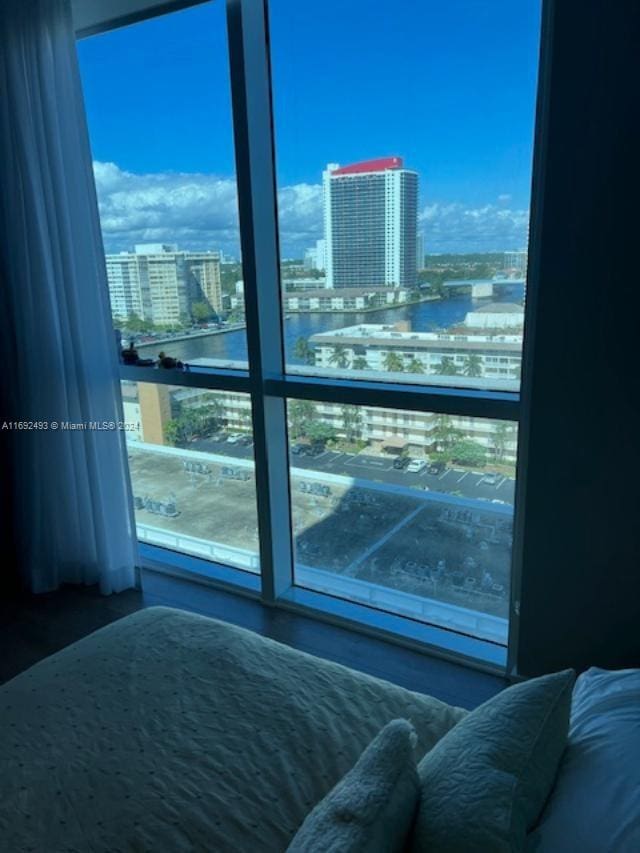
<point x="314" y="258"/>
<point x="370" y="224"/>
<point x="419" y="251"/>
<point x="488" y="346"/>
<point x="496" y="315"/>
<point x="345" y="299"/>
<point x="158" y="283"/>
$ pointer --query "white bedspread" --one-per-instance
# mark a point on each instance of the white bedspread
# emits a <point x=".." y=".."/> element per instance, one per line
<point x="171" y="731"/>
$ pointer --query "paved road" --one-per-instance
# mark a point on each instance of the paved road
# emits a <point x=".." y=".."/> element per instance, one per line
<point x="456" y="481"/>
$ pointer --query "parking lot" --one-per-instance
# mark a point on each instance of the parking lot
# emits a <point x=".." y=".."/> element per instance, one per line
<point x="414" y="544"/>
<point x="453" y="481"/>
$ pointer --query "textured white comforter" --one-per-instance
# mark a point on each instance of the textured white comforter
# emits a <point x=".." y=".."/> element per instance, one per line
<point x="171" y="731"/>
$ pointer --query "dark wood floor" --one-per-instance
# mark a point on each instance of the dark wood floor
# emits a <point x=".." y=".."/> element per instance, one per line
<point x="33" y="627"/>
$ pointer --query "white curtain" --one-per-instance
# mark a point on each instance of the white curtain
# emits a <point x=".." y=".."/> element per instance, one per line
<point x="69" y="489"/>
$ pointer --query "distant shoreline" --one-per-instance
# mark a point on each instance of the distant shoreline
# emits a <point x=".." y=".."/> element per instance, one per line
<point x="236" y="327"/>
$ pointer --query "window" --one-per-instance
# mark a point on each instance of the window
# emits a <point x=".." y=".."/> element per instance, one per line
<point x="158" y="104"/>
<point x="192" y="471"/>
<point x="353" y="449"/>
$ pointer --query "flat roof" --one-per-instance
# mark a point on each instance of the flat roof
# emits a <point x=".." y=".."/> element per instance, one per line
<point x="338" y="292"/>
<point x="499" y="308"/>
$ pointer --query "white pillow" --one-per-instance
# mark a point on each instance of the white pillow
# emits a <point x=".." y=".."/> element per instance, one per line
<point x="595" y="804"/>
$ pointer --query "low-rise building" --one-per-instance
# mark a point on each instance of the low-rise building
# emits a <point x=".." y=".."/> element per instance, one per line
<point x="488" y="353"/>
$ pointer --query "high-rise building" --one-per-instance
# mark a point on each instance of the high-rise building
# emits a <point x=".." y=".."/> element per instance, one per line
<point x="203" y="269"/>
<point x="419" y="251"/>
<point x="314" y="258"/>
<point x="370" y="224"/>
<point x="159" y="284"/>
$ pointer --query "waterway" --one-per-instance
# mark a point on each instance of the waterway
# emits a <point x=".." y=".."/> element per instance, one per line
<point x="422" y="317"/>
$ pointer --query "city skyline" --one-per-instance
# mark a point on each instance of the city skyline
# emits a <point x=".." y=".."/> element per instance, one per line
<point x="157" y="182"/>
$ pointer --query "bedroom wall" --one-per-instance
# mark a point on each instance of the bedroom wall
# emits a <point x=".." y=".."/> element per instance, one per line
<point x="579" y="488"/>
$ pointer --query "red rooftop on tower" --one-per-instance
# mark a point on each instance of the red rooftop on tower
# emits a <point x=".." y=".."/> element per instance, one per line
<point x="377" y="165"/>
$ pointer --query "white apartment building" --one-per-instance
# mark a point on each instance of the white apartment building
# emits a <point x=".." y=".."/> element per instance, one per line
<point x="345" y="299"/>
<point x="418" y="429"/>
<point x="476" y="350"/>
<point x="315" y="258"/>
<point x="158" y="283"/>
<point x="370" y="224"/>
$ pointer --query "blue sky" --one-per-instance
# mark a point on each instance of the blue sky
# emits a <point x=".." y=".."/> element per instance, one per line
<point x="450" y="87"/>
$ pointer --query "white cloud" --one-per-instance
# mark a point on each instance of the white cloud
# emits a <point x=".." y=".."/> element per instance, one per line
<point x="199" y="211"/>
<point x="504" y="198"/>
<point x="455" y="227"/>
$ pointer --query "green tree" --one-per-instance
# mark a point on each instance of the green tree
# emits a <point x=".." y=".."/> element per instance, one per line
<point x="502" y="435"/>
<point x="339" y="356"/>
<point x="414" y="365"/>
<point x="359" y="363"/>
<point x="135" y="324"/>
<point x="351" y="422"/>
<point x="393" y="362"/>
<point x="444" y="435"/>
<point x="302" y="413"/>
<point x="210" y="416"/>
<point x="469" y="453"/>
<point x="320" y="432"/>
<point x="172" y="432"/>
<point x="448" y="367"/>
<point x="201" y="311"/>
<point x="304" y="351"/>
<point x="472" y="365"/>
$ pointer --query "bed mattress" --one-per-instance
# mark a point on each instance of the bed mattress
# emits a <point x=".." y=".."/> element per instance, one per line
<point x="172" y="731"/>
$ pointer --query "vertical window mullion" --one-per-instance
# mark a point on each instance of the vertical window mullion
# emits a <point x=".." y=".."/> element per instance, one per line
<point x="252" y="121"/>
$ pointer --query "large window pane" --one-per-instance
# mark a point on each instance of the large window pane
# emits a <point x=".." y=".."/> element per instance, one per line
<point x="159" y="108"/>
<point x="404" y="157"/>
<point x="409" y="512"/>
<point x="192" y="471"/>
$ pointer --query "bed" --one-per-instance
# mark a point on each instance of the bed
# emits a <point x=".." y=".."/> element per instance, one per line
<point x="172" y="731"/>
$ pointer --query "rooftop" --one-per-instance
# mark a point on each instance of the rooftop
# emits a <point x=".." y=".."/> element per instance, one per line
<point x="384" y="335"/>
<point x="377" y="165"/>
<point x="500" y="308"/>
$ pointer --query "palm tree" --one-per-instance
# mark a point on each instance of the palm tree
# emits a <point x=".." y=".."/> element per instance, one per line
<point x="301" y="414"/>
<point x="444" y="434"/>
<point x="393" y="362"/>
<point x="448" y="367"/>
<point x="359" y="363"/>
<point x="339" y="356"/>
<point x="414" y="365"/>
<point x="502" y="435"/>
<point x="304" y="351"/>
<point x="472" y="365"/>
<point x="351" y="422"/>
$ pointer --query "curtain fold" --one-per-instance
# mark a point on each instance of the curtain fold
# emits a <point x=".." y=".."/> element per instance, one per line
<point x="68" y="484"/>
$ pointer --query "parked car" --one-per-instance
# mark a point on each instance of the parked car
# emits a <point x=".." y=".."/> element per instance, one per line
<point x="245" y="441"/>
<point x="401" y="463"/>
<point x="315" y="450"/>
<point x="416" y="466"/>
<point x="490" y="478"/>
<point x="235" y="438"/>
<point x="298" y="449"/>
<point x="436" y="468"/>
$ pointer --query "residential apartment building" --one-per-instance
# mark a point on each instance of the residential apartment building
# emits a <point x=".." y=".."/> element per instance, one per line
<point x="158" y="283"/>
<point x="487" y="346"/>
<point x="370" y="224"/>
<point x="149" y="410"/>
<point x="345" y="299"/>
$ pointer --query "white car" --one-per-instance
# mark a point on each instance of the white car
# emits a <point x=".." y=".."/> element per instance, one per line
<point x="415" y="466"/>
<point x="235" y="438"/>
<point x="491" y="478"/>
